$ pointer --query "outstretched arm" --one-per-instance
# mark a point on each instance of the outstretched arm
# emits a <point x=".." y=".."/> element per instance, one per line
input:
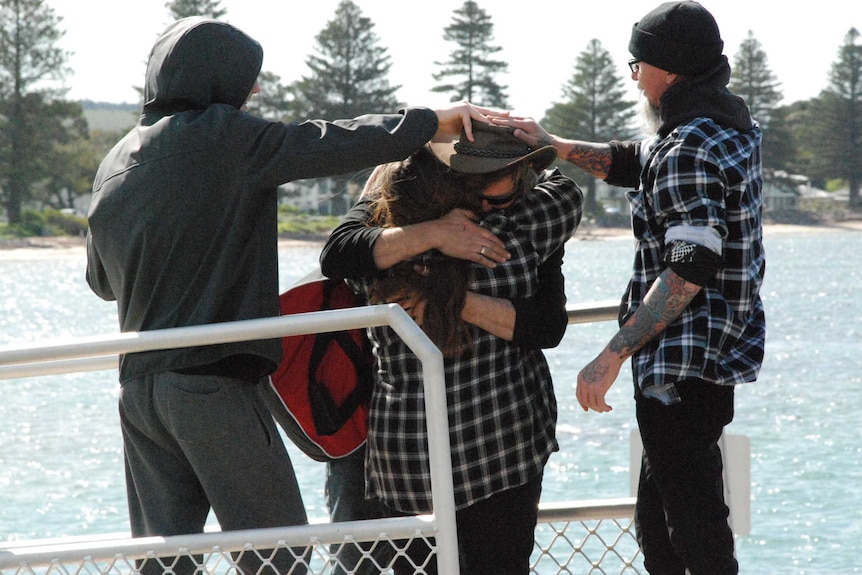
<point x="592" y="157"/>
<point x="356" y="249"/>
<point x="665" y="301"/>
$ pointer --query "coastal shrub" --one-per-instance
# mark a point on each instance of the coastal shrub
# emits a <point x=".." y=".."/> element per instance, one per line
<point x="32" y="224"/>
<point x="286" y="209"/>
<point x="65" y="224"/>
<point x="307" y="225"/>
<point x="47" y="223"/>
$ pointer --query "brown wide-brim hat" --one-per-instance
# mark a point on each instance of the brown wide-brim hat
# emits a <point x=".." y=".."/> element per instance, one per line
<point x="493" y="148"/>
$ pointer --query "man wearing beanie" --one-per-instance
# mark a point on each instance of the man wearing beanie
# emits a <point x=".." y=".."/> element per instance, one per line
<point x="691" y="319"/>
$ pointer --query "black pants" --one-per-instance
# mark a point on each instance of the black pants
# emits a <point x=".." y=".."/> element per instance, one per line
<point x="345" y="497"/>
<point x="495" y="536"/>
<point x="681" y="516"/>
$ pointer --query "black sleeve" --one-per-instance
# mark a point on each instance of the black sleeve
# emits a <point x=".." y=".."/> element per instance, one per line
<point x="349" y="249"/>
<point x="320" y="148"/>
<point x="625" y="170"/>
<point x="541" y="320"/>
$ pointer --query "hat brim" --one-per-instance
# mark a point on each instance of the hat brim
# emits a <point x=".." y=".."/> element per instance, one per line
<point x="540" y="159"/>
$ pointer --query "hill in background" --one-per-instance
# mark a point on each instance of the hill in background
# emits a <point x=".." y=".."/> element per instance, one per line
<point x="109" y="117"/>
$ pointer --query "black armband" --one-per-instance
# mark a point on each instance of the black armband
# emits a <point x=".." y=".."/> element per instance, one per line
<point x="625" y="168"/>
<point x="692" y="262"/>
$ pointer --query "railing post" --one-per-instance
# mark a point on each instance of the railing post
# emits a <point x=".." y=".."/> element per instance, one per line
<point x="437" y="421"/>
<point x="99" y="352"/>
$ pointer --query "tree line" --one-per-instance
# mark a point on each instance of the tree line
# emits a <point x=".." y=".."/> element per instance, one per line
<point x="48" y="155"/>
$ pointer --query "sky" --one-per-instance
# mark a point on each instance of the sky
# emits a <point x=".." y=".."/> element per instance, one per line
<point x="109" y="41"/>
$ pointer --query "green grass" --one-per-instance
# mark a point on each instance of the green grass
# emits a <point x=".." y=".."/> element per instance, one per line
<point x="303" y="226"/>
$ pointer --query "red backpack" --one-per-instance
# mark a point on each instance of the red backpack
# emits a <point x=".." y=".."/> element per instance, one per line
<point x="321" y="390"/>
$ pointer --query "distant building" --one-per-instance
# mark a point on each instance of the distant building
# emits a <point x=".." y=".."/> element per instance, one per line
<point x="319" y="196"/>
<point x="612" y="198"/>
<point x="307" y="196"/>
<point x="782" y="191"/>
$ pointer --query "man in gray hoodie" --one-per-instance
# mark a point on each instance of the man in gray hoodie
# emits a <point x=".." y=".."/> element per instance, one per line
<point x="183" y="231"/>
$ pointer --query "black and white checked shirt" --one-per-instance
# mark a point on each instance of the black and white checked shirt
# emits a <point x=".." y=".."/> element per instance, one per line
<point x="701" y="175"/>
<point x="502" y="409"/>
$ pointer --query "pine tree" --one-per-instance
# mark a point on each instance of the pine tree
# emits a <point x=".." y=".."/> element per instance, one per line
<point x="349" y="77"/>
<point x="836" y="120"/>
<point x="349" y="72"/>
<point x="471" y="70"/>
<point x="846" y="84"/>
<point x="185" y="8"/>
<point x="30" y="61"/>
<point x="275" y="101"/>
<point x="754" y="81"/>
<point x="593" y="108"/>
<point x="780" y="149"/>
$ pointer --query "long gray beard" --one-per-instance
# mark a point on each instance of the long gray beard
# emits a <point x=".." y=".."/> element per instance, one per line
<point x="650" y="119"/>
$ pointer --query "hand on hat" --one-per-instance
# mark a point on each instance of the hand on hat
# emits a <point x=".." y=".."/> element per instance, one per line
<point x="457" y="117"/>
<point x="526" y="129"/>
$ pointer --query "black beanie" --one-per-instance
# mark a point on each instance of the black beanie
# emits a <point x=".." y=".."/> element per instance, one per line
<point x="679" y="37"/>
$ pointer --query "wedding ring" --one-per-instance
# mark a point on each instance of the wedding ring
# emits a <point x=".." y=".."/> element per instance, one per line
<point x="482" y="251"/>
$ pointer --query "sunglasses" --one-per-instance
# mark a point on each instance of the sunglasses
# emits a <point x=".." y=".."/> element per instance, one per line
<point x="499" y="200"/>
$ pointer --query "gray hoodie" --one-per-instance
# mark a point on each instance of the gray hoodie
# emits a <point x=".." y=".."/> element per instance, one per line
<point x="183" y="221"/>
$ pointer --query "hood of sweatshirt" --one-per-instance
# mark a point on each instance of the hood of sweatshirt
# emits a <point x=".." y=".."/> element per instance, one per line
<point x="198" y="62"/>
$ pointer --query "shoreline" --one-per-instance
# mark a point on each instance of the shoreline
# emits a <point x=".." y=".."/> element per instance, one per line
<point x="60" y="246"/>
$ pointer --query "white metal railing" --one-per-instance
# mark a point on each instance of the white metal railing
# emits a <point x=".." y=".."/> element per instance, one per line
<point x="82" y="354"/>
<point x="117" y="554"/>
<point x="596" y="311"/>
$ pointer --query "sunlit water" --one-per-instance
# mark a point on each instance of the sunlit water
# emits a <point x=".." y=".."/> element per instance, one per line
<point x="61" y="453"/>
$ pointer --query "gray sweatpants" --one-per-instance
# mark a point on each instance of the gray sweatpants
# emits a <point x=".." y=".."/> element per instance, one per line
<point x="193" y="442"/>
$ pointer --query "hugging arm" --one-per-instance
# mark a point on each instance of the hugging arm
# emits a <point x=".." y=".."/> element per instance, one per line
<point x="536" y="322"/>
<point x="358" y="249"/>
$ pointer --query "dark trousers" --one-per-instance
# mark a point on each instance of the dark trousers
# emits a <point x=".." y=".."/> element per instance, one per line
<point x="495" y="536"/>
<point x="681" y="516"/>
<point x="345" y="497"/>
<point x="195" y="442"/>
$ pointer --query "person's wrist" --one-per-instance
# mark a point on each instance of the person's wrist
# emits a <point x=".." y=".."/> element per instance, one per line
<point x="429" y="234"/>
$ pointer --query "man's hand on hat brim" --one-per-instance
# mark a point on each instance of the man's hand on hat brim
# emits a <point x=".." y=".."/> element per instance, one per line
<point x="460" y="116"/>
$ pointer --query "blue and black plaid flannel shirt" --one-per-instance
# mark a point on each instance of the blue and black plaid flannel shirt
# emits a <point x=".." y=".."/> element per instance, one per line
<point x="502" y="409"/>
<point x="702" y="175"/>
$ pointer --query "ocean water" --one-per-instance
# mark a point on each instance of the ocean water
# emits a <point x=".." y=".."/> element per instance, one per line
<point x="61" y="453"/>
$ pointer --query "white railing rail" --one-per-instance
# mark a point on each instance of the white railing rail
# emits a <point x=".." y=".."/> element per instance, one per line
<point x="100" y="353"/>
<point x="109" y="554"/>
<point x="79" y="354"/>
<point x="595" y="311"/>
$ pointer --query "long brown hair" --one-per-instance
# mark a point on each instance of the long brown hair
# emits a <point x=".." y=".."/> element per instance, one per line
<point x="419" y="189"/>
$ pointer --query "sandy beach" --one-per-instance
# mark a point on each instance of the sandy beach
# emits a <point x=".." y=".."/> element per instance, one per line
<point x="62" y="246"/>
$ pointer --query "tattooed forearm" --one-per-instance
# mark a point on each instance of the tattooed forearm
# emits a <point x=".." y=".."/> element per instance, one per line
<point x="590" y="157"/>
<point x="669" y="295"/>
<point x="545" y="140"/>
<point x="594" y="371"/>
<point x="665" y="301"/>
